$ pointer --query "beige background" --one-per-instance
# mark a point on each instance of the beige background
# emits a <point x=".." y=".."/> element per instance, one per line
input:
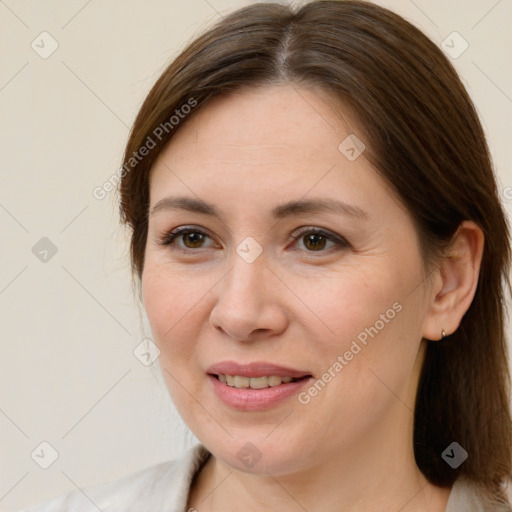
<point x="69" y="325"/>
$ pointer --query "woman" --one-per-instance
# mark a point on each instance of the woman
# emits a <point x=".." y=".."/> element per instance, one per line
<point x="322" y="257"/>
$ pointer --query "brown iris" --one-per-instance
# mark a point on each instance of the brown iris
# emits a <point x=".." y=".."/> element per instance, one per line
<point x="193" y="240"/>
<point x="314" y="241"/>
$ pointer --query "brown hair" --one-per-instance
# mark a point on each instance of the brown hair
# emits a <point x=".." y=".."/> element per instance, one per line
<point x="424" y="137"/>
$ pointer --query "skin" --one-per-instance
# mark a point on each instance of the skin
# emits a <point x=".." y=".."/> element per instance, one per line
<point x="298" y="305"/>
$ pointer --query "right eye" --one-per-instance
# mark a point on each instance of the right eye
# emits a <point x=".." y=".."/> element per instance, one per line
<point x="185" y="238"/>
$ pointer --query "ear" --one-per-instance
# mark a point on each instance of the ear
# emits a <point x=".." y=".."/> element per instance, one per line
<point x="455" y="281"/>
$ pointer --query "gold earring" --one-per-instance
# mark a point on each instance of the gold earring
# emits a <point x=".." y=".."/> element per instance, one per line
<point x="443" y="334"/>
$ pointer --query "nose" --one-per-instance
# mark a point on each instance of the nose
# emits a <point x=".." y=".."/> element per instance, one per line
<point x="249" y="302"/>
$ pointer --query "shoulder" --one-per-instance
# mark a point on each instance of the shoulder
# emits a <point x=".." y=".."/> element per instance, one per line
<point x="163" y="486"/>
<point x="465" y="495"/>
<point x="507" y="487"/>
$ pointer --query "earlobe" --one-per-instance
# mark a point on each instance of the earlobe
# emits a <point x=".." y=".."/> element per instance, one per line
<point x="456" y="282"/>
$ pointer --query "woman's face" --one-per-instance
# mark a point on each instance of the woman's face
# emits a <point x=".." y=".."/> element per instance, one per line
<point x="297" y="262"/>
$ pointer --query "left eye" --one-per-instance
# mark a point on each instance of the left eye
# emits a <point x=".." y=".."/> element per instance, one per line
<point x="317" y="240"/>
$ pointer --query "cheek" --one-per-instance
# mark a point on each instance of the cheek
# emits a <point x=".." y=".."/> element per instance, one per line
<point x="345" y="303"/>
<point x="173" y="303"/>
<point x="173" y="306"/>
<point x="364" y="318"/>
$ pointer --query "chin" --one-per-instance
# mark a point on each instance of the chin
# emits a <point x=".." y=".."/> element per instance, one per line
<point x="257" y="454"/>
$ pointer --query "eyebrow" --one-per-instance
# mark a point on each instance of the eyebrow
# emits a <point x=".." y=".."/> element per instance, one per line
<point x="278" y="212"/>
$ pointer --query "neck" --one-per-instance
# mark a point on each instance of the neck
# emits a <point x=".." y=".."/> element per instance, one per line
<point x="372" y="475"/>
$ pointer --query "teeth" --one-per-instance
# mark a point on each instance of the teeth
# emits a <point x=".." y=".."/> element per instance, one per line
<point x="274" y="381"/>
<point x="241" y="382"/>
<point x="259" y="382"/>
<point x="238" y="381"/>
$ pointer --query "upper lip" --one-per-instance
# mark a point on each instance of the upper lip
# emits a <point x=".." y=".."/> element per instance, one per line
<point x="255" y="369"/>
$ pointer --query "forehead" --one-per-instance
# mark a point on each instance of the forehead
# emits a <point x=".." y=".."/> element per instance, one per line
<point x="278" y="118"/>
<point x="266" y="145"/>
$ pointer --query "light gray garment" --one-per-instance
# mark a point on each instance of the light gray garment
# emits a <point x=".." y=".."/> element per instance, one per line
<point x="164" y="488"/>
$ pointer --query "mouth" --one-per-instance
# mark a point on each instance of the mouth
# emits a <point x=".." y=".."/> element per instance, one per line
<point x="255" y="386"/>
<point x="262" y="382"/>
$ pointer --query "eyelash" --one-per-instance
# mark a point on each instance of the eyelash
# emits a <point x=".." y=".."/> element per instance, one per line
<point x="168" y="239"/>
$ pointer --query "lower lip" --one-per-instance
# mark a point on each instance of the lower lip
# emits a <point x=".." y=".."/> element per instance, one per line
<point x="248" y="399"/>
